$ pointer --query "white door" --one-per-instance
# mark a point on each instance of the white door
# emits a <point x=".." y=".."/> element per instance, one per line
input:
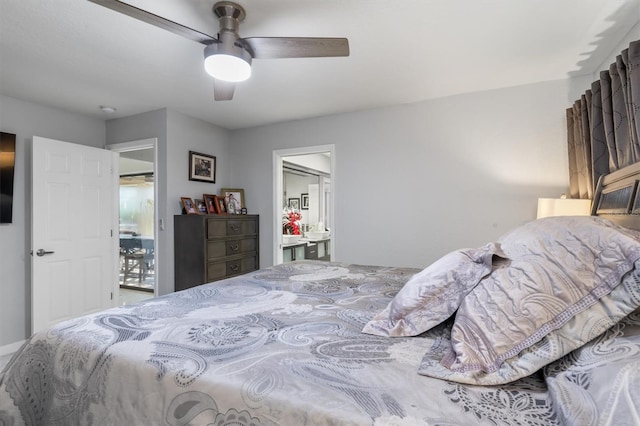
<point x="73" y="262"/>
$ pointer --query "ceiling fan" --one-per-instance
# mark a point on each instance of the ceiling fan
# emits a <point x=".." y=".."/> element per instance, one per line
<point x="228" y="56"/>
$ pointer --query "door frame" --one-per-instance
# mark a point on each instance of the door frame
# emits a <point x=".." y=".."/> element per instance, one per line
<point x="278" y="194"/>
<point x="135" y="146"/>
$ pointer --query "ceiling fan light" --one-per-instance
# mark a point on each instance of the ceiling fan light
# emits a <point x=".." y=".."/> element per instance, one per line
<point x="227" y="67"/>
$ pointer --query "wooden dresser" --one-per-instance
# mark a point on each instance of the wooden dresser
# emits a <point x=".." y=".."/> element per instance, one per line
<point x="212" y="247"/>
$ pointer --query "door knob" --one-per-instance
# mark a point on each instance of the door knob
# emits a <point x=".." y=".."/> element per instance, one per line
<point x="42" y="252"/>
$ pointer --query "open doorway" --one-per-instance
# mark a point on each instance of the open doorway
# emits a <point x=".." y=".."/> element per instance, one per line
<point x="304" y="188"/>
<point x="137" y="212"/>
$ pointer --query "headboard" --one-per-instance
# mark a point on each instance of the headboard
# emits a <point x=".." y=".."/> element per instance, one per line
<point x="617" y="197"/>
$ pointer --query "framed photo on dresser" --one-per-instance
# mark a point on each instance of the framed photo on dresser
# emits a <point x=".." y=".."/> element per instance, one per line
<point x="233" y="199"/>
<point x="211" y="203"/>
<point x="221" y="205"/>
<point x="188" y="205"/>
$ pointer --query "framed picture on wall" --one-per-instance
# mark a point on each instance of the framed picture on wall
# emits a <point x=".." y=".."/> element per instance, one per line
<point x="304" y="200"/>
<point x="234" y="199"/>
<point x="210" y="202"/>
<point x="188" y="205"/>
<point x="294" y="203"/>
<point x="202" y="167"/>
<point x="7" y="171"/>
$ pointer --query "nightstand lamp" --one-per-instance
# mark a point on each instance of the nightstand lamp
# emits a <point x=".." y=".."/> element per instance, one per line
<point x="563" y="207"/>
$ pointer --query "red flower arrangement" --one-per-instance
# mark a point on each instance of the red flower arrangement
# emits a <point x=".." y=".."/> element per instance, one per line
<point x="291" y="222"/>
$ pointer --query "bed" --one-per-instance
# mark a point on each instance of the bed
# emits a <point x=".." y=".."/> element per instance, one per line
<point x="318" y="343"/>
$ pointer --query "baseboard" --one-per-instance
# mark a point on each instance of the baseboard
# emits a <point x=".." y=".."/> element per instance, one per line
<point x="10" y="348"/>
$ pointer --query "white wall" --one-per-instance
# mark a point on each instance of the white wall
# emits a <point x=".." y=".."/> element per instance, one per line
<point x="632" y="35"/>
<point x="318" y="162"/>
<point x="26" y="119"/>
<point x="295" y="185"/>
<point x="414" y="182"/>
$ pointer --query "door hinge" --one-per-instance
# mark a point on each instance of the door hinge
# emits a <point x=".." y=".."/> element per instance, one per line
<point x="111" y="295"/>
<point x="112" y="232"/>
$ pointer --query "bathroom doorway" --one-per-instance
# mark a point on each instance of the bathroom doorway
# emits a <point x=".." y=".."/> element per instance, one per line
<point x="304" y="190"/>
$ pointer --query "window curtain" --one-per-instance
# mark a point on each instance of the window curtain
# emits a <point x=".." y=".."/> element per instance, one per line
<point x="603" y="126"/>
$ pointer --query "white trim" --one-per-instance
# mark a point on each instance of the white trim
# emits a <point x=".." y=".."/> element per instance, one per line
<point x="115" y="228"/>
<point x="133" y="145"/>
<point x="278" y="191"/>
<point x="11" y="348"/>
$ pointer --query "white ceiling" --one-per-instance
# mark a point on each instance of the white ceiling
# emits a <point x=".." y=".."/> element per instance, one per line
<point x="76" y="55"/>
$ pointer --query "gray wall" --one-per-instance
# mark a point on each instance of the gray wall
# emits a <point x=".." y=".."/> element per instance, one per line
<point x="144" y="126"/>
<point x="26" y="120"/>
<point x="414" y="182"/>
<point x="189" y="134"/>
<point x="177" y="134"/>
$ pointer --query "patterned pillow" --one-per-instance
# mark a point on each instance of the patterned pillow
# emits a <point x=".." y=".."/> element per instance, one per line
<point x="599" y="383"/>
<point x="433" y="295"/>
<point x="553" y="295"/>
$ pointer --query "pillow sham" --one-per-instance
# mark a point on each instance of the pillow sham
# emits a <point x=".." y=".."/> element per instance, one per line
<point x="433" y="295"/>
<point x="605" y="372"/>
<point x="553" y="295"/>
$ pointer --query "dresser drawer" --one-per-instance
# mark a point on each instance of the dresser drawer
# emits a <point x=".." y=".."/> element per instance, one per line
<point x="241" y="227"/>
<point x="219" y="270"/>
<point x="221" y="248"/>
<point x="240" y="246"/>
<point x="230" y="227"/>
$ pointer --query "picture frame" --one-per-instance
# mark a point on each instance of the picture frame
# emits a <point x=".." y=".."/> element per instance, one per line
<point x="211" y="203"/>
<point x="233" y="199"/>
<point x="202" y="167"/>
<point x="188" y="205"/>
<point x="304" y="201"/>
<point x="221" y="206"/>
<point x="7" y="175"/>
<point x="294" y="203"/>
<point x="200" y="206"/>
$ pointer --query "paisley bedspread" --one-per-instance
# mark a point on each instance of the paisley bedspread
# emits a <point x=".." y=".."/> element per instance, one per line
<point x="283" y="346"/>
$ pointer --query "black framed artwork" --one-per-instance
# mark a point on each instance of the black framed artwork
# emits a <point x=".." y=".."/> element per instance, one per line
<point x="7" y="167"/>
<point x="294" y="203"/>
<point x="202" y="167"/>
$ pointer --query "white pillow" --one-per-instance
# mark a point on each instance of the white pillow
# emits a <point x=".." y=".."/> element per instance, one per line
<point x="433" y="295"/>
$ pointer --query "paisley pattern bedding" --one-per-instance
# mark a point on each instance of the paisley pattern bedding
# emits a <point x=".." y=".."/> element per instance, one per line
<point x="283" y="346"/>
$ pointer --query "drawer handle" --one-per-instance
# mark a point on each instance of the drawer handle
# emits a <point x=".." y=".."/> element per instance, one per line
<point x="235" y="227"/>
<point x="234" y="247"/>
<point x="235" y="267"/>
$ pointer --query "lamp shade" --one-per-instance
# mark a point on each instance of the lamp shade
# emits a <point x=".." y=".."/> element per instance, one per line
<point x="228" y="64"/>
<point x="563" y="207"/>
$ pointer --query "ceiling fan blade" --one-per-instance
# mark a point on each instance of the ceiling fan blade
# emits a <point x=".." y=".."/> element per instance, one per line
<point x="223" y="90"/>
<point x="158" y="21"/>
<point x="295" y="47"/>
